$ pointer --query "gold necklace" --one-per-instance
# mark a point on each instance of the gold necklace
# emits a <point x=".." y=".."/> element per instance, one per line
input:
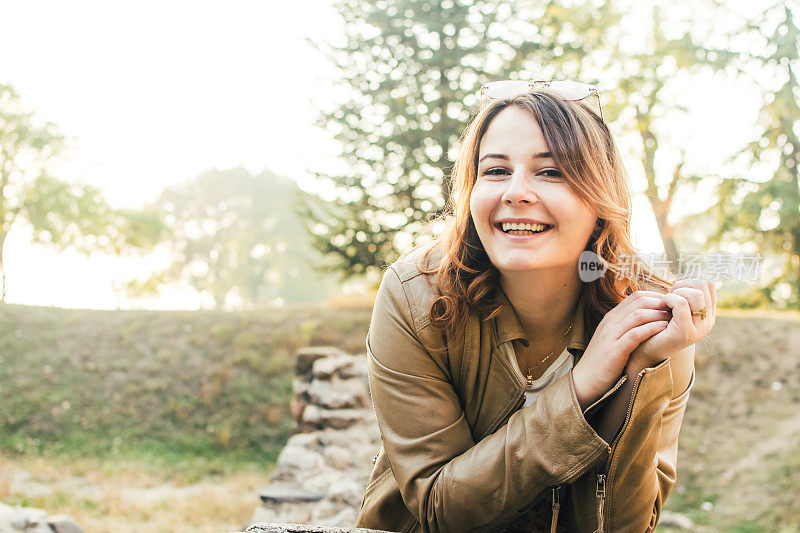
<point x="528" y="372"/>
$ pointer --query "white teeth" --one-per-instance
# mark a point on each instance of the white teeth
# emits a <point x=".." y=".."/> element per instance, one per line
<point x="530" y="227"/>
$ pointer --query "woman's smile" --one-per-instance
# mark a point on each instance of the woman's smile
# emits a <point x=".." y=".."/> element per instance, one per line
<point x="523" y="235"/>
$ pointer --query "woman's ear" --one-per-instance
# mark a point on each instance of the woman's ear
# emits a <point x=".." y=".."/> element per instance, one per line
<point x="598" y="226"/>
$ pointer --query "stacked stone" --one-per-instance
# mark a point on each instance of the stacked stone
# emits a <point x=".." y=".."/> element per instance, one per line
<point x="323" y="470"/>
<point x="18" y="519"/>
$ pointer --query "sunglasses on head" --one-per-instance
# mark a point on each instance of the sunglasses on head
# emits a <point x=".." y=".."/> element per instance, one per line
<point x="566" y="89"/>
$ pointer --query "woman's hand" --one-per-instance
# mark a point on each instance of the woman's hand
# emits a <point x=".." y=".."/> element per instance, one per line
<point x="639" y="316"/>
<point x="686" y="296"/>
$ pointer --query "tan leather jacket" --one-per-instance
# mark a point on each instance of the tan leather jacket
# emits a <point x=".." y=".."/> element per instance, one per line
<point x="459" y="453"/>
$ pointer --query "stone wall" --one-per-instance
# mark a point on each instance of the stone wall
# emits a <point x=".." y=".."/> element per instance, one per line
<point x="323" y="470"/>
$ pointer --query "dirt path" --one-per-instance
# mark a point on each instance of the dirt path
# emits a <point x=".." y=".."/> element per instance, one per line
<point x="771" y="443"/>
<point x="127" y="500"/>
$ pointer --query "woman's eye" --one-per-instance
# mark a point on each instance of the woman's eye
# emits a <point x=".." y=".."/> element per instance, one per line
<point x="497" y="171"/>
<point x="552" y="173"/>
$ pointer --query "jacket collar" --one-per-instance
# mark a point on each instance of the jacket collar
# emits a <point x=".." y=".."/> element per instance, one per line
<point x="508" y="326"/>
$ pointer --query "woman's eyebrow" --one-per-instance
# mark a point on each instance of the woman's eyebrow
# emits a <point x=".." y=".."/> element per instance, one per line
<point x="540" y="155"/>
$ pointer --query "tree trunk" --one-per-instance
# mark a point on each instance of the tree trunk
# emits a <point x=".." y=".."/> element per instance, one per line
<point x="667" y="233"/>
<point x="660" y="206"/>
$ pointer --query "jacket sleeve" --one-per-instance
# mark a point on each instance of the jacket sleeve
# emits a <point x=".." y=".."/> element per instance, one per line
<point x="447" y="481"/>
<point x="642" y="468"/>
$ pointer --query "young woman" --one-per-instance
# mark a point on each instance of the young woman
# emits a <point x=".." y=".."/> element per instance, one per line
<point x="514" y="391"/>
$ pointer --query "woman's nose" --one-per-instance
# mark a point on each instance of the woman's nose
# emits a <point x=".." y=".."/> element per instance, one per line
<point x="519" y="189"/>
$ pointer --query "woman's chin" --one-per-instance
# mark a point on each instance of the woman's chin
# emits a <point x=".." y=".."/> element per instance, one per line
<point x="531" y="262"/>
<point x="523" y="265"/>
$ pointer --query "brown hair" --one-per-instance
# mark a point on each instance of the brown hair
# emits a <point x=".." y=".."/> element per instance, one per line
<point x="584" y="150"/>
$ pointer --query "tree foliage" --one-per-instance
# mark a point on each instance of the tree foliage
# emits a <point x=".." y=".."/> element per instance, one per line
<point x="233" y="236"/>
<point x="648" y="81"/>
<point x="411" y="71"/>
<point x="61" y="214"/>
<point x="766" y="212"/>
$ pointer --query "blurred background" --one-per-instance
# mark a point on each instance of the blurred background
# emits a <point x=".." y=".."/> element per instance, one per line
<point x="191" y="191"/>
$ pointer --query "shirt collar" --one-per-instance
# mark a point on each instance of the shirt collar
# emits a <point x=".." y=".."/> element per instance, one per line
<point x="508" y="327"/>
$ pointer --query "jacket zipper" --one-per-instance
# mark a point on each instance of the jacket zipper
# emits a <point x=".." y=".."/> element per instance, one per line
<point x="600" y="493"/>
<point x="492" y="526"/>
<point x="556" y="507"/>
<point x="600" y="489"/>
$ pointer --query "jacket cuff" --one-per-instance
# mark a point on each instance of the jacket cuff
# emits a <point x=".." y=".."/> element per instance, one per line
<point x="659" y="378"/>
<point x="588" y="433"/>
<point x="683" y="395"/>
<point x="592" y="409"/>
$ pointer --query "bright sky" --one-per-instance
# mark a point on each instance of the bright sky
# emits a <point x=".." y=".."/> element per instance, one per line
<point x="152" y="93"/>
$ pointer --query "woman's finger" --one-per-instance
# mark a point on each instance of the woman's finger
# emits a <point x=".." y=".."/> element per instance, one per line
<point x="642" y="316"/>
<point x="704" y="286"/>
<point x="701" y="285"/>
<point x="712" y="288"/>
<point x="633" y="338"/>
<point x="681" y="314"/>
<point x="638" y="300"/>
<point x="695" y="297"/>
<point x="627" y="314"/>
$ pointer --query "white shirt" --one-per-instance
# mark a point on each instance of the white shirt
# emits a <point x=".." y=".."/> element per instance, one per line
<point x="557" y="368"/>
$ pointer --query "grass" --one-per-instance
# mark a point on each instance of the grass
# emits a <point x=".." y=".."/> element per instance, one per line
<point x="118" y="495"/>
<point x="199" y="384"/>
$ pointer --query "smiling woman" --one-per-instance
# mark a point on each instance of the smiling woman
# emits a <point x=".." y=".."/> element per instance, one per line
<point x="585" y="439"/>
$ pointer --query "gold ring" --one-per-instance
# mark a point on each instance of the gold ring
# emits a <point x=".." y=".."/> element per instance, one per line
<point x="701" y="313"/>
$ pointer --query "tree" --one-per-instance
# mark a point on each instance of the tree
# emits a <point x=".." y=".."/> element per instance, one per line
<point x="411" y="70"/>
<point x="648" y="94"/>
<point x="62" y="215"/>
<point x="232" y="236"/>
<point x="767" y="211"/>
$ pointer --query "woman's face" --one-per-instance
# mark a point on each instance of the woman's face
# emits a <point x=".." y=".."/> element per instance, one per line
<point x="518" y="182"/>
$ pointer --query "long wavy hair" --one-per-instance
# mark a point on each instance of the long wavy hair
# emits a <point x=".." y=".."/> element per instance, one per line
<point x="584" y="150"/>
